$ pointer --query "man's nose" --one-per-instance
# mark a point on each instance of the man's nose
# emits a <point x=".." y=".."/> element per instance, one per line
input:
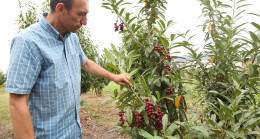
<point x="84" y="20"/>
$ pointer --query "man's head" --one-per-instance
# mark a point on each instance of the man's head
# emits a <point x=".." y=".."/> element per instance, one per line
<point x="71" y="14"/>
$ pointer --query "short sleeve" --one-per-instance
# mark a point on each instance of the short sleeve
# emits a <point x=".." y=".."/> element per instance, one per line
<point x="82" y="57"/>
<point x="24" y="67"/>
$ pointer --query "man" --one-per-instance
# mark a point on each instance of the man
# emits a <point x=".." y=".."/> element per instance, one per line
<point x="44" y="74"/>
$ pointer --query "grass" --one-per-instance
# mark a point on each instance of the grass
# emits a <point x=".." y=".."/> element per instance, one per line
<point x="111" y="87"/>
<point x="5" y="116"/>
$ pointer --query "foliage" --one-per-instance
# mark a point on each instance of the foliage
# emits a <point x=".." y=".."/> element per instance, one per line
<point x="99" y="83"/>
<point x="159" y="84"/>
<point x="28" y="14"/>
<point x="2" y="78"/>
<point x="145" y="54"/>
<point x="229" y="89"/>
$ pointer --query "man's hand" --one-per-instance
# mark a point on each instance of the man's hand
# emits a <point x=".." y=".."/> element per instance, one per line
<point x="123" y="79"/>
<point x="94" y="69"/>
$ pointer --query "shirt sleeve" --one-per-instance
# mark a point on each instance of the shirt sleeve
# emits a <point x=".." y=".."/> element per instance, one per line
<point x="82" y="57"/>
<point x="24" y="67"/>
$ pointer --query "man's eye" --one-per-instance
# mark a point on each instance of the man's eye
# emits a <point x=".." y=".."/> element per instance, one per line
<point x="81" y="14"/>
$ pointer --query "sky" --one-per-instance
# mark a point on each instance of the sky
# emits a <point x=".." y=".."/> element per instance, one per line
<point x="185" y="14"/>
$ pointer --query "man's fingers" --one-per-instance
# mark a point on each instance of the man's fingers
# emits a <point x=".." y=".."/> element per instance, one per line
<point x="127" y="81"/>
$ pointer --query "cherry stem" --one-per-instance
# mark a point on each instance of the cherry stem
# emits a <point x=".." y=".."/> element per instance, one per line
<point x="137" y="95"/>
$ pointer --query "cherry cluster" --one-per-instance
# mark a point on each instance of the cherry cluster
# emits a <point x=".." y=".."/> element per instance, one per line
<point x="169" y="57"/>
<point x="158" y="118"/>
<point x="138" y="119"/>
<point x="149" y="108"/>
<point x="157" y="48"/>
<point x="121" y="26"/>
<point x="167" y="69"/>
<point x="122" y="120"/>
<point x="154" y="115"/>
<point x="169" y="93"/>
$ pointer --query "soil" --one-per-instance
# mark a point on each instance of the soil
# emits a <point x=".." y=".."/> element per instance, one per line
<point x="98" y="119"/>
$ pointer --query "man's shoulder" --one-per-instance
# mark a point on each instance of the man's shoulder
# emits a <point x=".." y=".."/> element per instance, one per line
<point x="30" y="32"/>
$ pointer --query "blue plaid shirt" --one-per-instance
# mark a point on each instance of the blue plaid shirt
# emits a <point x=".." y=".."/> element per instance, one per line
<point x="47" y="66"/>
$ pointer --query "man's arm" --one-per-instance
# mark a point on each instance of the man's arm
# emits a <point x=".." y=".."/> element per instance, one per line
<point x="94" y="69"/>
<point x="21" y="116"/>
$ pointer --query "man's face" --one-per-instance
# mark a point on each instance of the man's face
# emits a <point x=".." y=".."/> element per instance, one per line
<point x="74" y="18"/>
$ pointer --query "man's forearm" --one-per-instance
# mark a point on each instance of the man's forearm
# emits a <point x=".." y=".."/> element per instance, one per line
<point x="96" y="70"/>
<point x="21" y="118"/>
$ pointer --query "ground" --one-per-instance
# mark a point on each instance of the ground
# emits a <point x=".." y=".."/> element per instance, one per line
<point x="99" y="117"/>
<point x="97" y="114"/>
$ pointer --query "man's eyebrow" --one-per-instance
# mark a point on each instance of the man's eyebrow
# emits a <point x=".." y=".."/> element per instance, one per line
<point x="83" y="12"/>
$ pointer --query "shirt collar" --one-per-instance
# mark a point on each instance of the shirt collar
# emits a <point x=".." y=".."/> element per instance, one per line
<point x="48" y="27"/>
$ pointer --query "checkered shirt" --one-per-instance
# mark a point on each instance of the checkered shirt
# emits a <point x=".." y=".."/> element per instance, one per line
<point x="47" y="66"/>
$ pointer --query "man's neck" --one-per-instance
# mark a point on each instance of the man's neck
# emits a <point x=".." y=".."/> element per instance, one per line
<point x="54" y="21"/>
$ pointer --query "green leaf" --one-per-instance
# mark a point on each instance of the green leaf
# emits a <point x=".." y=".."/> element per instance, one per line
<point x="255" y="79"/>
<point x="253" y="133"/>
<point x="158" y="94"/>
<point x="145" y="134"/>
<point x="115" y="93"/>
<point x="170" y="137"/>
<point x="256" y="25"/>
<point x="169" y="23"/>
<point x="146" y="119"/>
<point x="118" y="3"/>
<point x="254" y="37"/>
<point x="172" y="37"/>
<point x="254" y="14"/>
<point x="235" y="80"/>
<point x="129" y="115"/>
<point x="162" y="24"/>
<point x="165" y="123"/>
<point x="221" y="102"/>
<point x="109" y="56"/>
<point x="131" y="20"/>
<point x="217" y="93"/>
<point x="202" y="130"/>
<point x="112" y="66"/>
<point x="127" y="17"/>
<point x="141" y="109"/>
<point x="157" y="137"/>
<point x="114" y="49"/>
<point x="121" y="11"/>
<point x="224" y="30"/>
<point x="170" y="129"/>
<point x="164" y="42"/>
<point x="251" y="70"/>
<point x="106" y="7"/>
<point x="121" y="69"/>
<point x="134" y="71"/>
<point x="251" y="123"/>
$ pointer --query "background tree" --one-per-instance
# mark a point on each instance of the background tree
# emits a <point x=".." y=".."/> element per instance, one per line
<point x="89" y="81"/>
<point x="2" y="78"/>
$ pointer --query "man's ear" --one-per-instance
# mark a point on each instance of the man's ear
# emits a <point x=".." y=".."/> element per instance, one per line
<point x="60" y="8"/>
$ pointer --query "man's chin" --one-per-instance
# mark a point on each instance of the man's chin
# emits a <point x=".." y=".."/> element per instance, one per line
<point x="76" y="30"/>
